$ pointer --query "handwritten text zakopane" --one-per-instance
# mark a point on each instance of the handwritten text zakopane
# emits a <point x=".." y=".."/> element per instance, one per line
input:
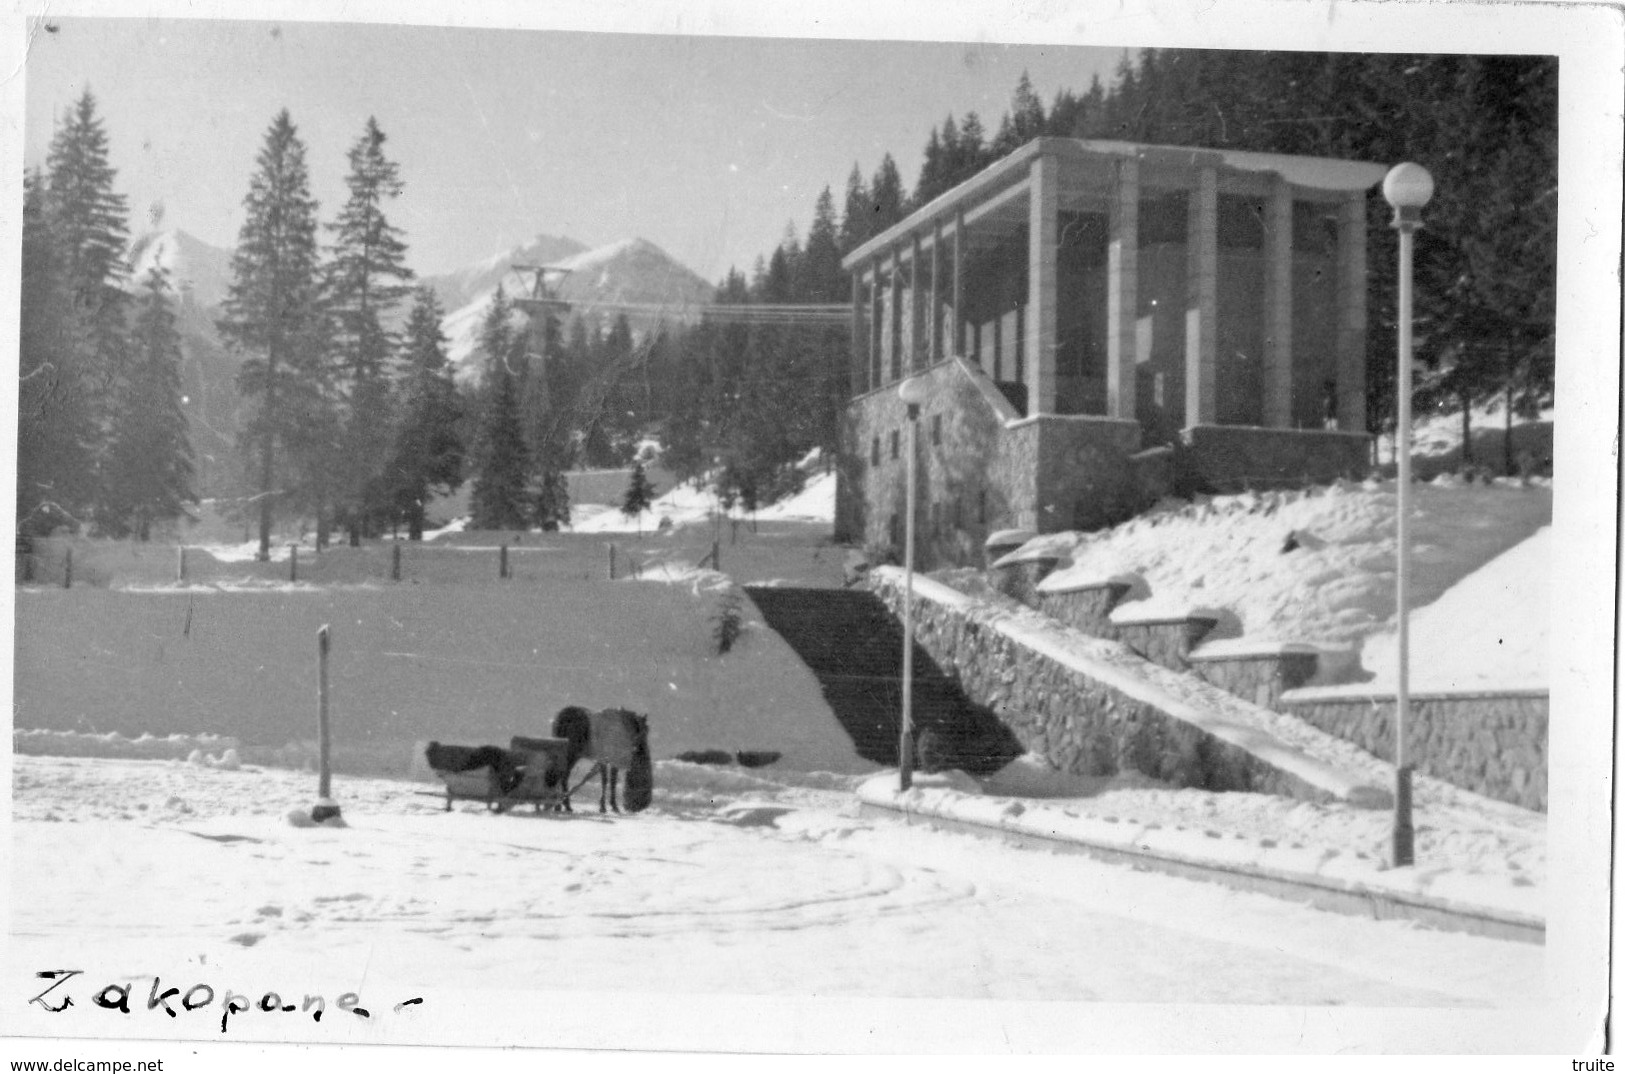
<point x="116" y="997"/>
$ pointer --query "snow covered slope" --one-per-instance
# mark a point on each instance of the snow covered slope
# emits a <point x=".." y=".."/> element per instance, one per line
<point x="199" y="273"/>
<point x="1312" y="566"/>
<point x="631" y="271"/>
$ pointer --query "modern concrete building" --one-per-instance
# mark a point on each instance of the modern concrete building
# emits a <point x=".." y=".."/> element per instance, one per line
<point x="1097" y="317"/>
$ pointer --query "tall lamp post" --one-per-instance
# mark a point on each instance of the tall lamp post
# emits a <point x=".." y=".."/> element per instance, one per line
<point x="1407" y="187"/>
<point x="912" y="392"/>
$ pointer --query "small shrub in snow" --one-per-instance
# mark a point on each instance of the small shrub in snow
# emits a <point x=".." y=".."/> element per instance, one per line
<point x="728" y="622"/>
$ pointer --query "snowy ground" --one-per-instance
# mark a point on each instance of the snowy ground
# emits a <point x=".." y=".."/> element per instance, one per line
<point x="1318" y="567"/>
<point x="737" y="886"/>
<point x="730" y="884"/>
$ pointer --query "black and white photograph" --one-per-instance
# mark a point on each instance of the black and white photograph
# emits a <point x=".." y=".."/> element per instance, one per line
<point x="553" y="533"/>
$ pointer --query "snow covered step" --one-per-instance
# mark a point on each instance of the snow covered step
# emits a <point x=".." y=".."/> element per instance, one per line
<point x="1093" y="707"/>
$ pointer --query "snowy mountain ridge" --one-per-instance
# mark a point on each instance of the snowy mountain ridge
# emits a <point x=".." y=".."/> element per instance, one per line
<point x="199" y="273"/>
<point x="599" y="283"/>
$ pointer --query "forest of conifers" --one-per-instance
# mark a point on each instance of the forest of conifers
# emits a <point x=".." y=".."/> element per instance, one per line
<point x="356" y="423"/>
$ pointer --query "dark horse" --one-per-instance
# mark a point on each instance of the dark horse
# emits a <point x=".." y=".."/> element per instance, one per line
<point x="614" y="739"/>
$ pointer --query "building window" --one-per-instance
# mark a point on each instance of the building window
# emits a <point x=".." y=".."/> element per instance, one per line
<point x="874" y="452"/>
<point x="936" y="428"/>
<point x="896" y="441"/>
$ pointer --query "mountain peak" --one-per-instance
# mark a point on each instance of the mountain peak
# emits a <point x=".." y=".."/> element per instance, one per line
<point x="198" y="272"/>
<point x="631" y="276"/>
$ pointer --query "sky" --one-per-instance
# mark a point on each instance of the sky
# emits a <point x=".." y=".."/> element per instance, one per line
<point x="707" y="146"/>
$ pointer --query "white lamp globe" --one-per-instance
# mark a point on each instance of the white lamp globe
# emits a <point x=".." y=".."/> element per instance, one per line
<point x="914" y="391"/>
<point x="1407" y="186"/>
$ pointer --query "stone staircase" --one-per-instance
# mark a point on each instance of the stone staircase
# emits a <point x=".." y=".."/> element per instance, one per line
<point x="854" y="647"/>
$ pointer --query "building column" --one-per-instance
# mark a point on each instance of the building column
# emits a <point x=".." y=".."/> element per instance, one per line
<point x="877" y="327"/>
<point x="1202" y="301"/>
<point x="1043" y="258"/>
<point x="894" y="317"/>
<point x="934" y="335"/>
<point x="1351" y="313"/>
<point x="1278" y="305"/>
<point x="959" y="284"/>
<point x="860" y="338"/>
<point x="916" y="309"/>
<point x="1122" y="290"/>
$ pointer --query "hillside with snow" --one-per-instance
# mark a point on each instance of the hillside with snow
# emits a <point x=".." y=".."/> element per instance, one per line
<point x="459" y="287"/>
<point x="199" y="273"/>
<point x="633" y="276"/>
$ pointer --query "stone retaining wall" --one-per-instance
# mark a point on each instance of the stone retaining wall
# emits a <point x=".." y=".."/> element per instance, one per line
<point x="1086" y="608"/>
<point x="1165" y="641"/>
<point x="1261" y="679"/>
<point x="1077" y="723"/>
<point x="1491" y="743"/>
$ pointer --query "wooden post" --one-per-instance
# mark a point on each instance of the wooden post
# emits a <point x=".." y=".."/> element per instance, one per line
<point x="502" y="562"/>
<point x="325" y="808"/>
<point x="716" y="555"/>
<point x="293" y="563"/>
<point x="67" y="571"/>
<point x="180" y="565"/>
<point x="612" y="561"/>
<point x="395" y="563"/>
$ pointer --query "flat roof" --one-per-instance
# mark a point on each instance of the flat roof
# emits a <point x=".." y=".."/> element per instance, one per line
<point x="1316" y="173"/>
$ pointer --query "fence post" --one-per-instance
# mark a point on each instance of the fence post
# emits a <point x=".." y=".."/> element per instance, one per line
<point x="612" y="561"/>
<point x="502" y="562"/>
<point x="716" y="556"/>
<point x="293" y="563"/>
<point x="395" y="563"/>
<point x="180" y="565"/>
<point x="67" y="571"/>
<point x="325" y="808"/>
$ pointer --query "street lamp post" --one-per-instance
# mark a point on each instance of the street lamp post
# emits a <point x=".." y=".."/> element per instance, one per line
<point x="912" y="392"/>
<point x="1407" y="187"/>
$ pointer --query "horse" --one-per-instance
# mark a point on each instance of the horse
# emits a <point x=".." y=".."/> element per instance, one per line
<point x="468" y="758"/>
<point x="613" y="739"/>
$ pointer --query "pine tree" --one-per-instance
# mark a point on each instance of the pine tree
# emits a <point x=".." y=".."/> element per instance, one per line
<point x="150" y="471"/>
<point x="55" y="427"/>
<point x="365" y="279"/>
<point x="885" y="196"/>
<point x="930" y="182"/>
<point x="428" y="452"/>
<point x="973" y="155"/>
<point x="553" y="501"/>
<point x="857" y="214"/>
<point x="88" y="227"/>
<point x="639" y="495"/>
<point x="273" y="315"/>
<point x="499" y="499"/>
<point x="502" y="460"/>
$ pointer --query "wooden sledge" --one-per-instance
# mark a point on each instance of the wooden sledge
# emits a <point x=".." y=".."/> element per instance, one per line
<point x="541" y="783"/>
